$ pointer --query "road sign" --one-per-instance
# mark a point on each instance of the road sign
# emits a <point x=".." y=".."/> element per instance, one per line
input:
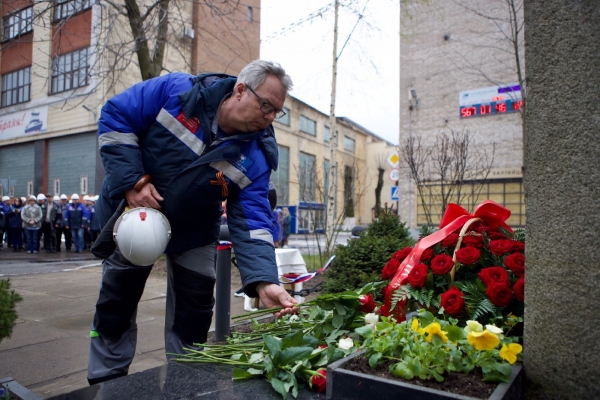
<point x="395" y="193"/>
<point x="393" y="159"/>
<point x="394" y="174"/>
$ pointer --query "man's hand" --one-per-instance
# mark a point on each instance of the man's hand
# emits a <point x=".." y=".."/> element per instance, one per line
<point x="272" y="295"/>
<point x="147" y="197"/>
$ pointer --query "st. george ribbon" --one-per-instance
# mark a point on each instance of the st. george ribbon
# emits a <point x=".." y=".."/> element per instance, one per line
<point x="489" y="212"/>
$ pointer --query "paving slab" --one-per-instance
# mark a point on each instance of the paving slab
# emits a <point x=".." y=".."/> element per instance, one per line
<point x="27" y="333"/>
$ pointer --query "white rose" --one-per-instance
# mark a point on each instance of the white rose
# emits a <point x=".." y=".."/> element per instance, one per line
<point x="346" y="344"/>
<point x="473" y="326"/>
<point x="294" y="317"/>
<point x="495" y="330"/>
<point x="371" y="319"/>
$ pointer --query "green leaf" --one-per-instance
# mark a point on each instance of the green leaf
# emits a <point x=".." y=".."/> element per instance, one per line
<point x="309" y="341"/>
<point x="494" y="376"/>
<point x="337" y="321"/>
<point x="437" y="376"/>
<point x="279" y="387"/>
<point x="273" y="344"/>
<point x="403" y="371"/>
<point x="256" y="358"/>
<point x="426" y="318"/>
<point x="374" y="359"/>
<point x="436" y="340"/>
<point x="288" y="356"/>
<point x="314" y="312"/>
<point x="292" y="339"/>
<point x="325" y="305"/>
<point x="255" y="371"/>
<point x="241" y="374"/>
<point x="454" y="333"/>
<point x="364" y="331"/>
<point x="339" y="308"/>
<point x="480" y="285"/>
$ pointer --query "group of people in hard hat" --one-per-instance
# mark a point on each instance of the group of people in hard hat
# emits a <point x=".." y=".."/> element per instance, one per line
<point x="28" y="224"/>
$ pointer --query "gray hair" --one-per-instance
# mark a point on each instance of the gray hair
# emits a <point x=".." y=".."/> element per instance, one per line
<point x="255" y="73"/>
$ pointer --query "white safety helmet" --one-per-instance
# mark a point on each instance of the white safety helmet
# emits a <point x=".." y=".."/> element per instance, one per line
<point x="86" y="198"/>
<point x="74" y="196"/>
<point x="5" y="198"/>
<point x="56" y="198"/>
<point x="32" y="197"/>
<point x="63" y="197"/>
<point x="23" y="199"/>
<point x="142" y="235"/>
<point x="41" y="196"/>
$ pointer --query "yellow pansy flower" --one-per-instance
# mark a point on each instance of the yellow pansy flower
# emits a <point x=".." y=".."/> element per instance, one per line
<point x="483" y="340"/>
<point x="415" y="327"/>
<point x="435" y="329"/>
<point x="509" y="353"/>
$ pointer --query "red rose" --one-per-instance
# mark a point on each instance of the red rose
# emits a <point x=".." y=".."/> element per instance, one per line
<point x="453" y="301"/>
<point x="519" y="289"/>
<point x="517" y="246"/>
<point x="400" y="255"/>
<point x="441" y="264"/>
<point x="418" y="276"/>
<point x="496" y="235"/>
<point x="499" y="294"/>
<point x="473" y="241"/>
<point x="493" y="275"/>
<point x="516" y="263"/>
<point x="468" y="255"/>
<point x="367" y="303"/>
<point x="500" y="247"/>
<point x="390" y="269"/>
<point x="426" y="255"/>
<point x="450" y="241"/>
<point x="319" y="383"/>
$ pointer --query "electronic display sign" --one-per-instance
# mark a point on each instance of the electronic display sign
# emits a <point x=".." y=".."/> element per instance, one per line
<point x="490" y="101"/>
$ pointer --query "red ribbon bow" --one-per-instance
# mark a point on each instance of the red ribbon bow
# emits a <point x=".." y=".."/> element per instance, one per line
<point x="490" y="212"/>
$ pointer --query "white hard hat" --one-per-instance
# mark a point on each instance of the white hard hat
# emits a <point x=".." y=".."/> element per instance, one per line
<point x="142" y="235"/>
<point x="56" y="198"/>
<point x="23" y="199"/>
<point x="96" y="197"/>
<point x="86" y="198"/>
<point x="32" y="197"/>
<point x="74" y="196"/>
<point x="41" y="196"/>
<point x="5" y="198"/>
<point x="63" y="197"/>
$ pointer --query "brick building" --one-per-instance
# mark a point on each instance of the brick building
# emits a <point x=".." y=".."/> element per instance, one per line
<point x="448" y="55"/>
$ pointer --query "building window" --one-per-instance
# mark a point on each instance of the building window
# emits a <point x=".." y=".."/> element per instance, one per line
<point x="57" y="187"/>
<point x="83" y="185"/>
<point x="11" y="191"/>
<point x="17" y="23"/>
<point x="349" y="144"/>
<point x="307" y="173"/>
<point x="281" y="177"/>
<point x="64" y="9"/>
<point x="249" y="14"/>
<point x="327" y="134"/>
<point x="70" y="71"/>
<point x="508" y="193"/>
<point x="307" y="125"/>
<point x="16" y="87"/>
<point x="29" y="189"/>
<point x="285" y="120"/>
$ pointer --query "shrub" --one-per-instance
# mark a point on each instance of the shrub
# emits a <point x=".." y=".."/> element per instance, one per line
<point x="8" y="315"/>
<point x="361" y="261"/>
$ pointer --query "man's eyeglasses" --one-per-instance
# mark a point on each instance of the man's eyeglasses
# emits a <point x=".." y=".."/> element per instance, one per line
<point x="266" y="108"/>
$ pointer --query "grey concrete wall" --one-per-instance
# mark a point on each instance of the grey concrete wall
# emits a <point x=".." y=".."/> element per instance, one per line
<point x="562" y="180"/>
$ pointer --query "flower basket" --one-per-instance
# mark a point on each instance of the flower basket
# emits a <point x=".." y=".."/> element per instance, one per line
<point x="343" y="383"/>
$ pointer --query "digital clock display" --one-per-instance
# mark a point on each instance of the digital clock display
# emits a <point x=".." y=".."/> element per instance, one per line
<point x="490" y="101"/>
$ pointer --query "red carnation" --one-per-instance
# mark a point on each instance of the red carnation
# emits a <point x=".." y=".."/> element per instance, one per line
<point x="441" y="264"/>
<point x="517" y="246"/>
<point x="493" y="275"/>
<point x="418" y="276"/>
<point x="519" y="289"/>
<point x="467" y="255"/>
<point x="319" y="383"/>
<point x="453" y="301"/>
<point x="367" y="303"/>
<point x="400" y="255"/>
<point x="516" y="263"/>
<point x="390" y="269"/>
<point x="499" y="294"/>
<point x="426" y="255"/>
<point x="473" y="241"/>
<point x="500" y="247"/>
<point x="450" y="241"/>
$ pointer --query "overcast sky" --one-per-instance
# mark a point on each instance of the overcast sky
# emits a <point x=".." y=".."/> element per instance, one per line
<point x="368" y="68"/>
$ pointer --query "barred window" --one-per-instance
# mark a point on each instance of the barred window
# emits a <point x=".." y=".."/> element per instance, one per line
<point x="16" y="87"/>
<point x="70" y="71"/>
<point x="64" y="9"/>
<point x="17" y="23"/>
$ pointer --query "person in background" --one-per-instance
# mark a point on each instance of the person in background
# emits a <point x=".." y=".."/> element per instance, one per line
<point x="95" y="226"/>
<point x="32" y="221"/>
<point x="41" y="201"/>
<point x="15" y="225"/>
<point x="60" y="222"/>
<point x="49" y="211"/>
<point x="76" y="221"/>
<point x="4" y="210"/>
<point x="286" y="226"/>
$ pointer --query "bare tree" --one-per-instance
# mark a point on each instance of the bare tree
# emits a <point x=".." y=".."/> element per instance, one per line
<point x="450" y="169"/>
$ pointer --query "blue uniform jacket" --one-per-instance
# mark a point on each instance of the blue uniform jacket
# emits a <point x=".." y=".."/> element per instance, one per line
<point x="75" y="216"/>
<point x="164" y="127"/>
